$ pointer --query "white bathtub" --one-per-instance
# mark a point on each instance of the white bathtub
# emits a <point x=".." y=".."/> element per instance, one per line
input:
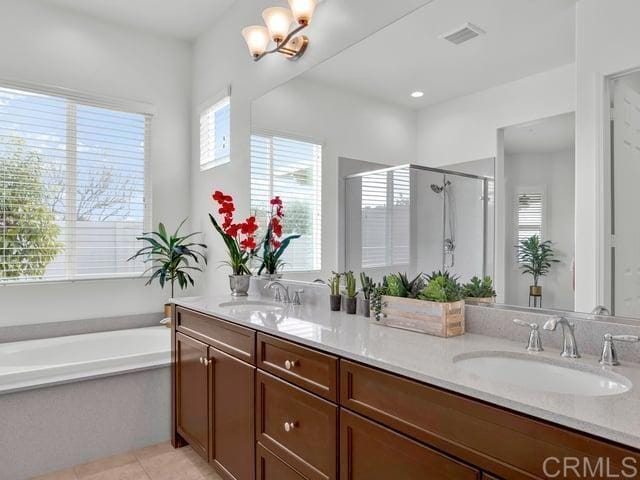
<point x="34" y="363"/>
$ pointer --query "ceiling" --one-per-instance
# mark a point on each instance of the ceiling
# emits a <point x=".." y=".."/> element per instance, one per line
<point x="181" y="19"/>
<point x="547" y="135"/>
<point x="523" y="37"/>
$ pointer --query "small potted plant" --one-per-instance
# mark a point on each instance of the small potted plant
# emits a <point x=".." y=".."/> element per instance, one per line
<point x="367" y="290"/>
<point x="480" y="290"/>
<point x="535" y="258"/>
<point x="350" y="302"/>
<point x="273" y="245"/>
<point x="172" y="256"/>
<point x="335" y="298"/>
<point x="240" y="242"/>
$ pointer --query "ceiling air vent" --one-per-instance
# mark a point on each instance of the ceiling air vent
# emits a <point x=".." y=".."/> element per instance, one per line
<point x="463" y="33"/>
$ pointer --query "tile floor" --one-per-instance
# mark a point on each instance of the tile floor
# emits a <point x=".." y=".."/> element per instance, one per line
<point x="157" y="462"/>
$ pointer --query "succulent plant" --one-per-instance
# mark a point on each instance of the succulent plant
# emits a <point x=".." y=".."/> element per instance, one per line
<point x="479" y="288"/>
<point x="334" y="283"/>
<point x="442" y="287"/>
<point x="350" y="284"/>
<point x="395" y="287"/>
<point x="367" y="285"/>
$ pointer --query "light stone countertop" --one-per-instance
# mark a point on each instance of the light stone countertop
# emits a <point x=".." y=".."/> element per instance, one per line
<point x="429" y="359"/>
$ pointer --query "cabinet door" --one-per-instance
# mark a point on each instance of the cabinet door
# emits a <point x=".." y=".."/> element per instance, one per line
<point x="232" y="430"/>
<point x="270" y="467"/>
<point x="192" y="393"/>
<point x="369" y="451"/>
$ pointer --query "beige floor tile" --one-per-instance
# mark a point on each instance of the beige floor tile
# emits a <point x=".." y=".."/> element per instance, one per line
<point x="153" y="450"/>
<point x="60" y="475"/>
<point x="98" y="466"/>
<point x="131" y="471"/>
<point x="183" y="464"/>
<point x="213" y="476"/>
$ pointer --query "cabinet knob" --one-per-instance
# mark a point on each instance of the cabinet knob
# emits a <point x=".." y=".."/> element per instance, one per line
<point x="289" y="364"/>
<point x="206" y="362"/>
<point x="201" y="360"/>
<point x="288" y="426"/>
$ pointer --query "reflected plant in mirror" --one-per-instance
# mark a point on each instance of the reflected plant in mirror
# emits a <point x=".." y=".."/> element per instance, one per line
<point x="273" y="245"/>
<point x="480" y="290"/>
<point x="536" y="258"/>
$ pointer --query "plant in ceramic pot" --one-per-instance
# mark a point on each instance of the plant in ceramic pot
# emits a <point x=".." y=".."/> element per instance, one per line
<point x="535" y="258"/>
<point x="273" y="245"/>
<point x="350" y="302"/>
<point x="173" y="258"/>
<point x="367" y="288"/>
<point x="480" y="290"/>
<point x="239" y="240"/>
<point x="334" y="297"/>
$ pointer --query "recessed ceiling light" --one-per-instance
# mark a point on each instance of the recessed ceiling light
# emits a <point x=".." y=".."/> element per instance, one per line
<point x="417" y="94"/>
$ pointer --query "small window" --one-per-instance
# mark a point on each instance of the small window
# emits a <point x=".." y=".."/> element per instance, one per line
<point x="529" y="207"/>
<point x="215" y="134"/>
<point x="386" y="218"/>
<point x="291" y="169"/>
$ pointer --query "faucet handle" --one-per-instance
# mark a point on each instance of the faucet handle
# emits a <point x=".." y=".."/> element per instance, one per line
<point x="535" y="342"/>
<point x="609" y="355"/>
<point x="296" y="299"/>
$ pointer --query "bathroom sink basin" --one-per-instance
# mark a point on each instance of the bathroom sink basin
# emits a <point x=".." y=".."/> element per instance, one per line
<point x="249" y="306"/>
<point x="542" y="374"/>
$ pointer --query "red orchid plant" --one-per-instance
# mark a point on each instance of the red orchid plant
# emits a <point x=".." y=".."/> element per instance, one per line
<point x="273" y="245"/>
<point x="238" y="237"/>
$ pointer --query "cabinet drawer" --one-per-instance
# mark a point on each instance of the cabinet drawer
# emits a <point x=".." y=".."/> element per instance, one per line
<point x="507" y="444"/>
<point x="369" y="451"/>
<point x="270" y="467"/>
<point x="309" y="369"/>
<point x="297" y="426"/>
<point x="232" y="339"/>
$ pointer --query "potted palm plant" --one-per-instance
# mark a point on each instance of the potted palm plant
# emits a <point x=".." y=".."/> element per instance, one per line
<point x="535" y="258"/>
<point x="240" y="242"/>
<point x="173" y="258"/>
<point x="273" y="245"/>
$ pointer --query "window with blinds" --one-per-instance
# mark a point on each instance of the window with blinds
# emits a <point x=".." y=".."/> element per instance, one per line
<point x="386" y="218"/>
<point x="529" y="208"/>
<point x="291" y="169"/>
<point x="73" y="195"/>
<point x="215" y="133"/>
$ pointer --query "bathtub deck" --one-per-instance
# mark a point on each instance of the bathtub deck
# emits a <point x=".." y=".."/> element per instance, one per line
<point x="157" y="462"/>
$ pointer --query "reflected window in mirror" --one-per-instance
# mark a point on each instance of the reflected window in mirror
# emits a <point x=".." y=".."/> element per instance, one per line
<point x="529" y="215"/>
<point x="386" y="219"/>
<point x="291" y="169"/>
<point x="215" y="134"/>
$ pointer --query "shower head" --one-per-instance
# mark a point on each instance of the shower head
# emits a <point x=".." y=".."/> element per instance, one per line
<point x="436" y="188"/>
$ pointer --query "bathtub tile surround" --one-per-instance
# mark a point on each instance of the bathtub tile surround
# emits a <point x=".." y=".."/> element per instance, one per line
<point x="156" y="462"/>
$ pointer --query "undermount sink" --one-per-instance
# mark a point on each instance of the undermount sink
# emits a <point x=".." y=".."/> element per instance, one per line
<point x="243" y="306"/>
<point x="542" y="374"/>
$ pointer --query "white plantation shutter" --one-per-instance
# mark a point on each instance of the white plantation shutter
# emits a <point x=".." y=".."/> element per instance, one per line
<point x="215" y="133"/>
<point x="385" y="218"/>
<point x="73" y="190"/>
<point x="530" y="215"/>
<point x="291" y="169"/>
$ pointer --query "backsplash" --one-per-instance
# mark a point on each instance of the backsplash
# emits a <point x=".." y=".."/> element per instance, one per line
<point x="497" y="321"/>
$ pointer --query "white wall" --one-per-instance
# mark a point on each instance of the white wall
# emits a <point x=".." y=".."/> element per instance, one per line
<point x="347" y="125"/>
<point x="554" y="173"/>
<point x="221" y="59"/>
<point x="45" y="45"/>
<point x="464" y="128"/>
<point x="607" y="43"/>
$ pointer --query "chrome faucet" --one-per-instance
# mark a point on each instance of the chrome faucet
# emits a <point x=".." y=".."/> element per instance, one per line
<point x="569" y="346"/>
<point x="600" y="310"/>
<point x="534" y="344"/>
<point x="279" y="287"/>
<point x="609" y="356"/>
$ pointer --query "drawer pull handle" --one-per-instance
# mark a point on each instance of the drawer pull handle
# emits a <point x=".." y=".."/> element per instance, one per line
<point x="289" y="364"/>
<point x="288" y="426"/>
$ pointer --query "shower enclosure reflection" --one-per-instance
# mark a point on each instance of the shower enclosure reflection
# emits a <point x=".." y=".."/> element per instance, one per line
<point x="417" y="219"/>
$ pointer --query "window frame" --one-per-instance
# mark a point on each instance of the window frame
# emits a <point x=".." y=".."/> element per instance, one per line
<point x="263" y="132"/>
<point x="91" y="99"/>
<point x="213" y="103"/>
<point x="540" y="190"/>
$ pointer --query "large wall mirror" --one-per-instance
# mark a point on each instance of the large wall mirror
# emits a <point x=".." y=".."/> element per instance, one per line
<point x="446" y="141"/>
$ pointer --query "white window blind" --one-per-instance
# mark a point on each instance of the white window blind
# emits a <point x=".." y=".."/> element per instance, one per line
<point x="73" y="195"/>
<point x="215" y="134"/>
<point x="386" y="218"/>
<point x="291" y="169"/>
<point x="529" y="209"/>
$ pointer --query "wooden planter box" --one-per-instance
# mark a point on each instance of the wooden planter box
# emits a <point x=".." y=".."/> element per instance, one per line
<point x="482" y="299"/>
<point x="433" y="318"/>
